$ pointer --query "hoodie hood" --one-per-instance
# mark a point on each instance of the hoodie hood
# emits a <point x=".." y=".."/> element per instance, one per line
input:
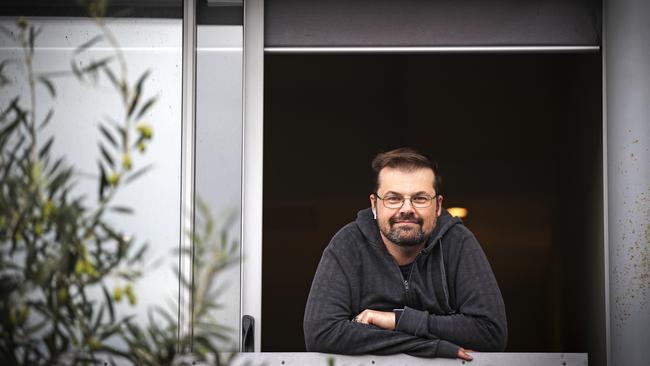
<point x="368" y="226"/>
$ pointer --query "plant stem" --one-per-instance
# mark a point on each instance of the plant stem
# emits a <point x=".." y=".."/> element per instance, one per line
<point x="29" y="53"/>
<point x="120" y="56"/>
<point x="125" y="101"/>
<point x="123" y="78"/>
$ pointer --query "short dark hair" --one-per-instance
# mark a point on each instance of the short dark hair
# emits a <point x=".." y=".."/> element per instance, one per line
<point x="405" y="159"/>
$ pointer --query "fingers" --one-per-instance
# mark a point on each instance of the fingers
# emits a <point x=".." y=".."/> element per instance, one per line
<point x="363" y="318"/>
<point x="464" y="355"/>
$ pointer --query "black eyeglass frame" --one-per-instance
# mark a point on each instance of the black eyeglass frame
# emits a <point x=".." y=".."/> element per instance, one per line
<point x="404" y="198"/>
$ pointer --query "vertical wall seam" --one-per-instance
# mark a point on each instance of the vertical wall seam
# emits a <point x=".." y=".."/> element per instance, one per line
<point x="608" y="352"/>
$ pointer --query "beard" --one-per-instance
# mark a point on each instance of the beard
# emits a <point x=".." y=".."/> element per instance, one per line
<point x="404" y="236"/>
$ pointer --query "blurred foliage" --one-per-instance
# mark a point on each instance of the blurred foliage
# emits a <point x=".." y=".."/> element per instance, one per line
<point x="214" y="251"/>
<point x="59" y="253"/>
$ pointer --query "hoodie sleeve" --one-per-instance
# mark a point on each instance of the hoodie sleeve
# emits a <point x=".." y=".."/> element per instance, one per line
<point x="479" y="322"/>
<point x="328" y="328"/>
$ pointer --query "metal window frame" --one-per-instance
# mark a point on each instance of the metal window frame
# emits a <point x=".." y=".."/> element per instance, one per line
<point x="250" y="286"/>
<point x="188" y="127"/>
<point x="436" y="49"/>
<point x="252" y="166"/>
<point x="252" y="144"/>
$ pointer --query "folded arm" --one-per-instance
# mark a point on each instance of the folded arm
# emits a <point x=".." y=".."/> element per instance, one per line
<point x="480" y="320"/>
<point x="386" y="320"/>
<point x="328" y="326"/>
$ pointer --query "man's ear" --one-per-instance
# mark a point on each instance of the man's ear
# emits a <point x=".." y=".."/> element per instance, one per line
<point x="372" y="204"/>
<point x="439" y="208"/>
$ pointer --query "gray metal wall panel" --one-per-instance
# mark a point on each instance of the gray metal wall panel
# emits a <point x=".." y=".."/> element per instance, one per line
<point x="627" y="71"/>
<point x="361" y="23"/>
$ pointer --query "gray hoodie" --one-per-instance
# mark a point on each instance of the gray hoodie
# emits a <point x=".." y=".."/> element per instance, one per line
<point x="450" y="299"/>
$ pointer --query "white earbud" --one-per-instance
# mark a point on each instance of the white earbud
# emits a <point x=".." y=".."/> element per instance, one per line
<point x="374" y="213"/>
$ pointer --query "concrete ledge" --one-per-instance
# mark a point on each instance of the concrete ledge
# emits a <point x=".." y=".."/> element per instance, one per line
<point x="480" y="359"/>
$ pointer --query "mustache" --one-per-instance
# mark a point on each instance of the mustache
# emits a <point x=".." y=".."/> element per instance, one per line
<point x="409" y="216"/>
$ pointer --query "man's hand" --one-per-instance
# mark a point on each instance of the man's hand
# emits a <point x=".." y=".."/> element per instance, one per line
<point x="381" y="319"/>
<point x="386" y="320"/>
<point x="464" y="355"/>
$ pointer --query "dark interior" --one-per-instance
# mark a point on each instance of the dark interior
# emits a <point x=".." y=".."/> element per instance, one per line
<point x="518" y="138"/>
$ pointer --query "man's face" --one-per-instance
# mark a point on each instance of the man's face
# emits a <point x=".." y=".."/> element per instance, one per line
<point x="406" y="226"/>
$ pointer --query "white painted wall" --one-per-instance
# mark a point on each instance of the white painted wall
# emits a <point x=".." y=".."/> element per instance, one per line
<point x="147" y="44"/>
<point x="154" y="44"/>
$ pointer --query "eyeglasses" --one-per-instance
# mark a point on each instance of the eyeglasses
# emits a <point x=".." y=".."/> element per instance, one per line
<point x="417" y="201"/>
